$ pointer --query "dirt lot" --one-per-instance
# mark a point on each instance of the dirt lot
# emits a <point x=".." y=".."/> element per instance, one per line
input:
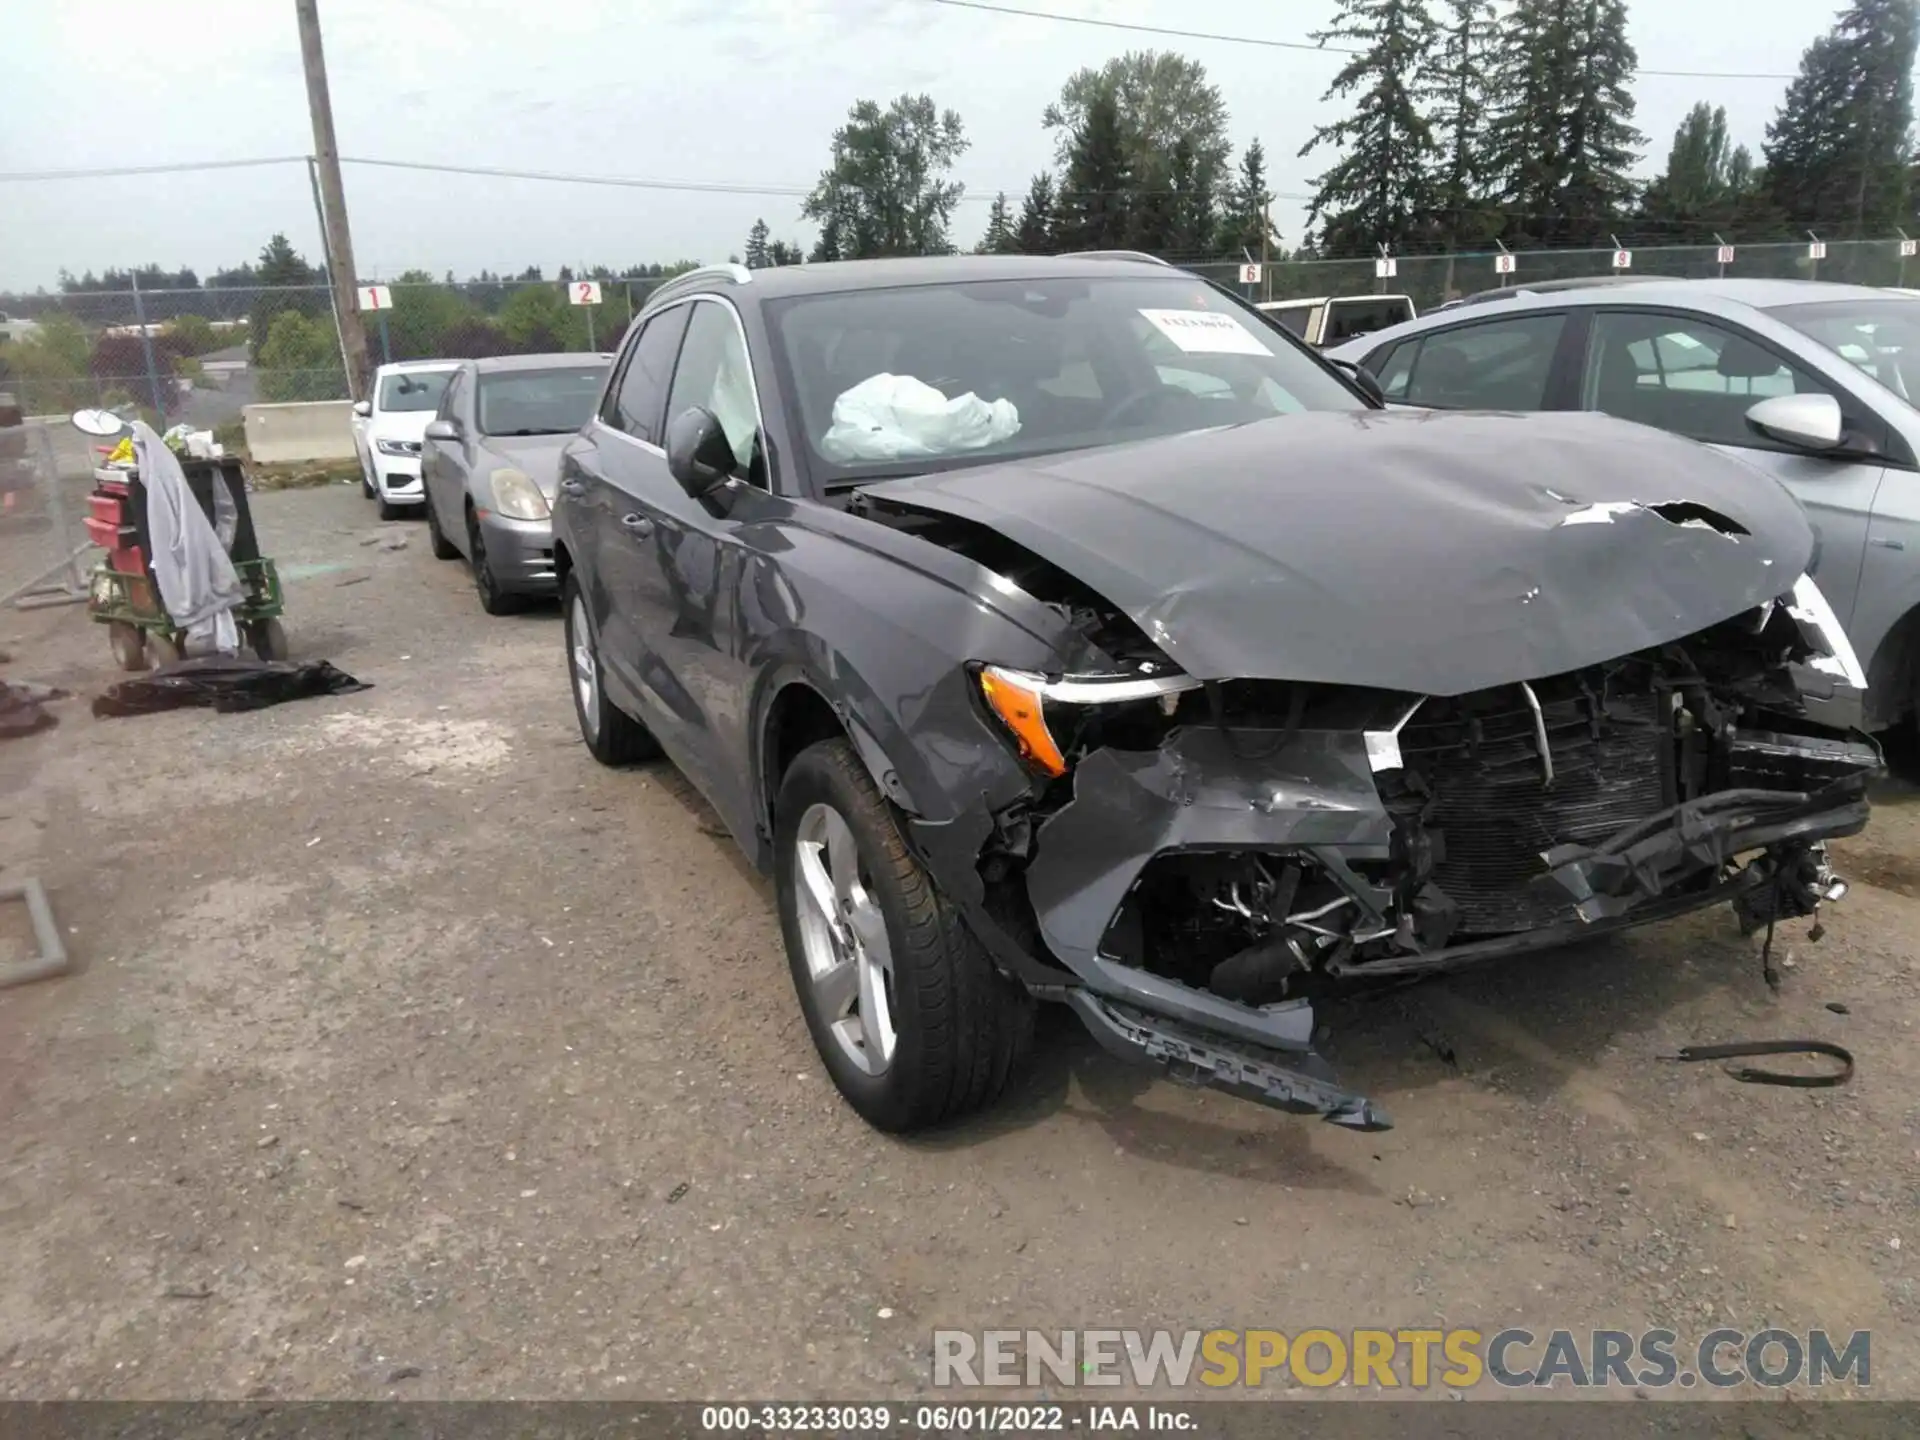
<point x="412" y="1053"/>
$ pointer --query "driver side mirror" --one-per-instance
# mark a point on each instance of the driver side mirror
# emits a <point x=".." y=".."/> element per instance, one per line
<point x="443" y="430"/>
<point x="699" y="455"/>
<point x="363" y="408"/>
<point x="1364" y="378"/>
<point x="1807" y="422"/>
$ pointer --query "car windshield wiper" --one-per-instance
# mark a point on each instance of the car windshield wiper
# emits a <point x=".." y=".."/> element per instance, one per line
<point x="548" y="430"/>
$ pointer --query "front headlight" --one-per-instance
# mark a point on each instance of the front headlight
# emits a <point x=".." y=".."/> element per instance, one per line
<point x="396" y="447"/>
<point x="1019" y="700"/>
<point x="1820" y="628"/>
<point x="517" y="497"/>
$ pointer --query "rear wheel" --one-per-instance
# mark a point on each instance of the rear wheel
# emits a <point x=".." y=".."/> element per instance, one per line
<point x="129" y="645"/>
<point x="910" y="1017"/>
<point x="613" y="737"/>
<point x="268" y="638"/>
<point x="443" y="548"/>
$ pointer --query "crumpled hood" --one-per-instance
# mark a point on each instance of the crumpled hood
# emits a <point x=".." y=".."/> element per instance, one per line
<point x="535" y="456"/>
<point x="1424" y="551"/>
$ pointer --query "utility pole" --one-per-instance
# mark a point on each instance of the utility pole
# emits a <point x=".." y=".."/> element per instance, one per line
<point x="339" y="242"/>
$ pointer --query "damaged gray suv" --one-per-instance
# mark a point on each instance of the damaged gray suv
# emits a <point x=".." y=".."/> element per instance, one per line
<point x="1062" y="629"/>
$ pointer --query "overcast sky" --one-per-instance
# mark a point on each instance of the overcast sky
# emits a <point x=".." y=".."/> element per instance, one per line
<point x="745" y="91"/>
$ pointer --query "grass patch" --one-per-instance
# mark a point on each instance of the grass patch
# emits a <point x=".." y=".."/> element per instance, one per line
<point x="304" y="474"/>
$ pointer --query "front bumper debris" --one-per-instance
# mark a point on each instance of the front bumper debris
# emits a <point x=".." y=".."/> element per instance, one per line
<point x="1299" y="1083"/>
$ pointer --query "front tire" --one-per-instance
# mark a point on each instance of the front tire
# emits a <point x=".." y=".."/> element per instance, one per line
<point x="366" y="481"/>
<point x="443" y="548"/>
<point x="909" y="1015"/>
<point x="486" y="585"/>
<point x="613" y="737"/>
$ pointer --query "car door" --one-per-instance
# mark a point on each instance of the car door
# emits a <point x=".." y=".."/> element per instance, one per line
<point x="1698" y="377"/>
<point x="624" y="466"/>
<point x="689" y="562"/>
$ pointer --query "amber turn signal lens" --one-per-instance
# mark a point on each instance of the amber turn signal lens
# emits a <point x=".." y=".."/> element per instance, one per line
<point x="1019" y="709"/>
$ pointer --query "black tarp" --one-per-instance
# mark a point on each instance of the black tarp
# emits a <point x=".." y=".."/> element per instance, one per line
<point x="225" y="683"/>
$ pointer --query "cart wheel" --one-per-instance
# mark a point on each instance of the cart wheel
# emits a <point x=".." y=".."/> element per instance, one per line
<point x="269" y="639"/>
<point x="129" y="645"/>
<point x="167" y="648"/>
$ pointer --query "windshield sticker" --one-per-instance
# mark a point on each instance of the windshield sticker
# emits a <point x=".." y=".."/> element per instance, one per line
<point x="1206" y="332"/>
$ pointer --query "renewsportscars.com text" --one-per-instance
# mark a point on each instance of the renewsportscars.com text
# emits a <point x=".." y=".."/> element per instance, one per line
<point x="1401" y="1359"/>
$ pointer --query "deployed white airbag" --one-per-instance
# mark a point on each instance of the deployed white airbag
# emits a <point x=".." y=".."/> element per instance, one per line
<point x="892" y="417"/>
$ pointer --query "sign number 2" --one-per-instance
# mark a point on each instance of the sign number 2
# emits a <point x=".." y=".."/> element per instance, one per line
<point x="584" y="292"/>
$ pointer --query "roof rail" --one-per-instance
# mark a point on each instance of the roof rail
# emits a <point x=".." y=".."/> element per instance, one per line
<point x="1116" y="255"/>
<point x="738" y="274"/>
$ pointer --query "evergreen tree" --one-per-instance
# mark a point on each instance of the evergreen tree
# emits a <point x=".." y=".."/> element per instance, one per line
<point x="886" y="192"/>
<point x="999" y="239"/>
<point x="1562" y="141"/>
<point x="1034" y="234"/>
<point x="1456" y="87"/>
<point x="1839" y="152"/>
<point x="1093" y="211"/>
<point x="1193" y="184"/>
<point x="757" y="246"/>
<point x="1376" y="193"/>
<point x="1707" y="188"/>
<point x="779" y="252"/>
<point x="1243" y="217"/>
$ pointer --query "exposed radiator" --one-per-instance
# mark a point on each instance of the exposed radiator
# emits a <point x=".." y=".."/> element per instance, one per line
<point x="1494" y="810"/>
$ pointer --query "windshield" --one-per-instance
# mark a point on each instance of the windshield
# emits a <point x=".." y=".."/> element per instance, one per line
<point x="1880" y="337"/>
<point x="416" y="390"/>
<point x="930" y="377"/>
<point x="537" y="402"/>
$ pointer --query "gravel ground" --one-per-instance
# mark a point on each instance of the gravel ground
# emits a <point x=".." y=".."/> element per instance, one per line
<point x="411" y="1053"/>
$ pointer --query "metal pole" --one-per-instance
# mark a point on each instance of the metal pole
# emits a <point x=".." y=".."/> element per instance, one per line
<point x="589" y="310"/>
<point x="1266" y="229"/>
<point x="386" y="348"/>
<point x="146" y="348"/>
<point x="340" y="272"/>
<point x="326" y="258"/>
<point x="1902" y="282"/>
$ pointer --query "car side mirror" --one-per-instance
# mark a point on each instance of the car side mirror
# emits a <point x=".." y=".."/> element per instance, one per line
<point x="442" y="430"/>
<point x="1364" y="378"/>
<point x="363" y="408"/>
<point x="699" y="455"/>
<point x="1807" y="422"/>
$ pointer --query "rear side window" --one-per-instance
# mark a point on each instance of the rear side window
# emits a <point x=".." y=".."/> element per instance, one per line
<point x="639" y="400"/>
<point x="1501" y="365"/>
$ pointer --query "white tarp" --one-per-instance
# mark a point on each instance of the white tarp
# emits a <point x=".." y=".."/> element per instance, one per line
<point x="196" y="577"/>
<point x="893" y="417"/>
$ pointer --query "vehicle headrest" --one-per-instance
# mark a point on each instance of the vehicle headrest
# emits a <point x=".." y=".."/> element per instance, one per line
<point x="1741" y="359"/>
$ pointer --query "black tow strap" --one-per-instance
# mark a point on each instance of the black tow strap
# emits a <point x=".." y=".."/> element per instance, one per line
<point x="1753" y="1075"/>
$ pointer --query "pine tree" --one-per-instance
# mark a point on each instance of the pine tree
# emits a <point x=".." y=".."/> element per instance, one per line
<point x="1376" y="193"/>
<point x="1456" y="87"/>
<point x="1243" y="217"/>
<point x="1562" y="143"/>
<point x="1838" y="153"/>
<point x="1093" y="212"/>
<point x="1034" y="234"/>
<point x="779" y="252"/>
<point x="757" y="246"/>
<point x="1193" y="183"/>
<point x="1706" y="186"/>
<point x="999" y="239"/>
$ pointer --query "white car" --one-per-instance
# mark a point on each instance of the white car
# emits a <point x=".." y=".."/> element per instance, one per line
<point x="389" y="428"/>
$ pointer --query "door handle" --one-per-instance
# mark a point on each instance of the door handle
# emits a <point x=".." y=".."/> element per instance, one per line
<point x="638" y="525"/>
<point x="1886" y="542"/>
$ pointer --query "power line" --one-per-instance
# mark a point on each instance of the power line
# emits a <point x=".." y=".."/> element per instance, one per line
<point x="1271" y="44"/>
<point x="712" y="187"/>
<point x="110" y="172"/>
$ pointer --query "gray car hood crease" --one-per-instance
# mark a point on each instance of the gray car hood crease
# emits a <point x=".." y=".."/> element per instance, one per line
<point x="1424" y="551"/>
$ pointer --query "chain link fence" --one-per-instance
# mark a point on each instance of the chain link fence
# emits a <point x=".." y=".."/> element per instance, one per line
<point x="46" y="471"/>
<point x="200" y="356"/>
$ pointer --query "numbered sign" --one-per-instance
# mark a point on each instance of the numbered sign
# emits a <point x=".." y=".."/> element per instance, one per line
<point x="1908" y="248"/>
<point x="1724" y="255"/>
<point x="1817" y="250"/>
<point x="1504" y="263"/>
<point x="1385" y="268"/>
<point x="1623" y="259"/>
<point x="375" y="297"/>
<point x="1249" y="274"/>
<point x="584" y="292"/>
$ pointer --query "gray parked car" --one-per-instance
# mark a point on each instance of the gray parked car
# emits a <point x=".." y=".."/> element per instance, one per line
<point x="1061" y="628"/>
<point x="491" y="459"/>
<point x="1815" y="384"/>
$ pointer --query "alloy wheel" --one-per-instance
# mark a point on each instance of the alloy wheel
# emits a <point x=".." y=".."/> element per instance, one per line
<point x="843" y="936"/>
<point x="586" y="667"/>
